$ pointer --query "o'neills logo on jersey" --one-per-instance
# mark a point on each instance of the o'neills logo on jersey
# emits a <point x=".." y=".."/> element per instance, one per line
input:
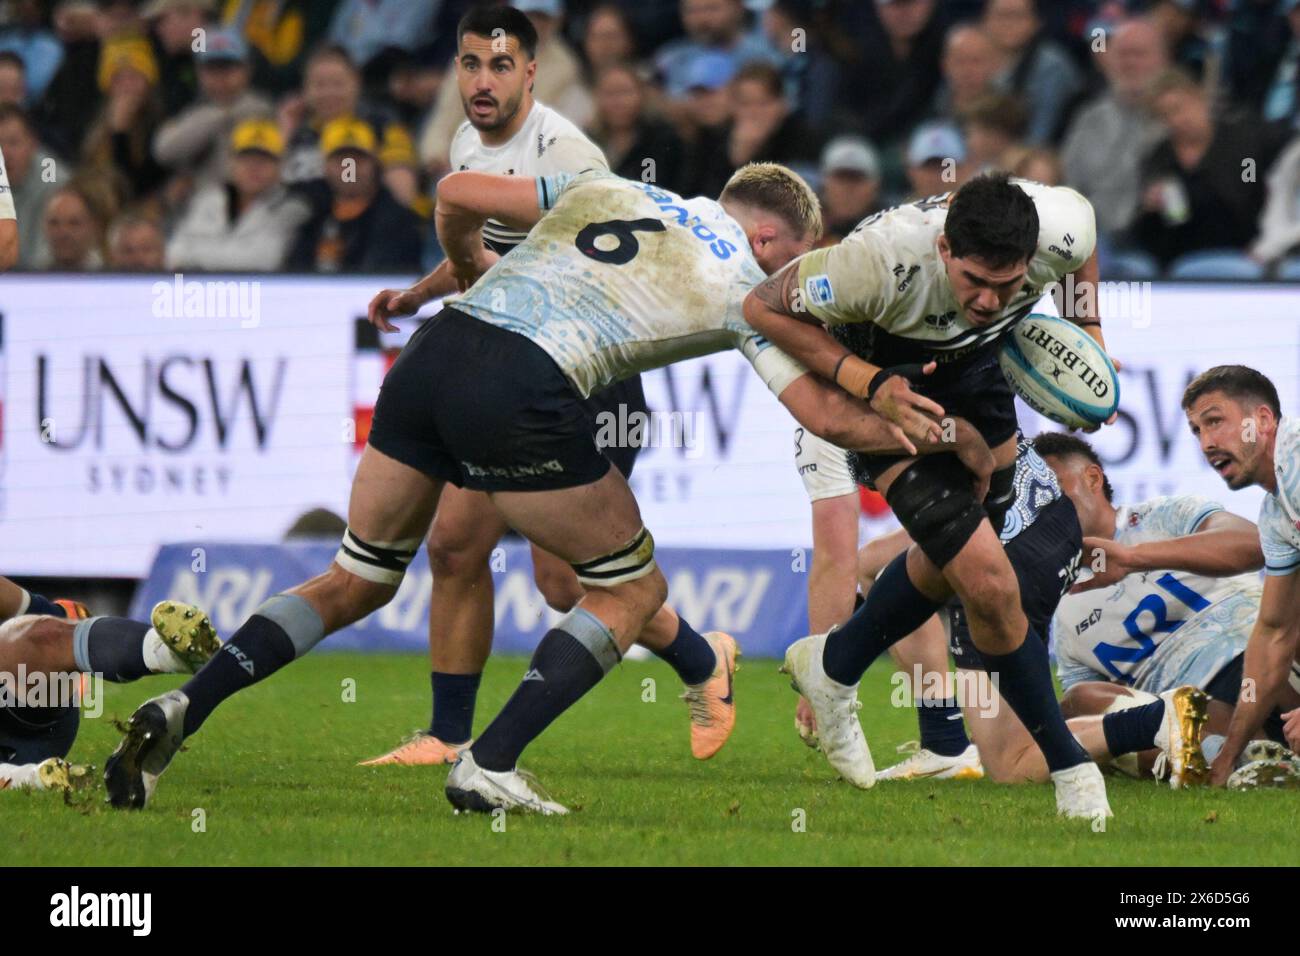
<point x="1072" y="361"/>
<point x="905" y="275"/>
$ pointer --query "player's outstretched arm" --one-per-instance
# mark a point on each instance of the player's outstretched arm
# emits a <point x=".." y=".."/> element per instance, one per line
<point x="1223" y="544"/>
<point x="389" y="304"/>
<point x="1269" y="653"/>
<point x="466" y="200"/>
<point x="774" y="310"/>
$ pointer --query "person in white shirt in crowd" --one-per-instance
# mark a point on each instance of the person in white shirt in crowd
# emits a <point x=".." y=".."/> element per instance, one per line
<point x="248" y="222"/>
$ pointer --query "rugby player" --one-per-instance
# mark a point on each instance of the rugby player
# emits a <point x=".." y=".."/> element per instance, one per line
<point x="1043" y="542"/>
<point x="833" y="579"/>
<point x="35" y="736"/>
<point x="507" y="131"/>
<point x="615" y="277"/>
<point x="1172" y="604"/>
<point x="941" y="279"/>
<point x="1235" y="414"/>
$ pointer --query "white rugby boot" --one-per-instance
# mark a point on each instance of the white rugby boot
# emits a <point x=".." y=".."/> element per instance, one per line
<point x="470" y="787"/>
<point x="835" y="706"/>
<point x="1081" y="792"/>
<point x="925" y="764"/>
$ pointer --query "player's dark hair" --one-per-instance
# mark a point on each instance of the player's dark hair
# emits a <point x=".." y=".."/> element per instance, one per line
<point x="994" y="220"/>
<point x="1064" y="445"/>
<point x="484" y="20"/>
<point x="1238" y="382"/>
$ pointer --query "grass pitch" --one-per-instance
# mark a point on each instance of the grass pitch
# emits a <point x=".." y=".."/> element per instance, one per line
<point x="274" y="775"/>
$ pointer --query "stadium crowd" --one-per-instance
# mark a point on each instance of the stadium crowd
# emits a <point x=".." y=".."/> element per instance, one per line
<point x="210" y="134"/>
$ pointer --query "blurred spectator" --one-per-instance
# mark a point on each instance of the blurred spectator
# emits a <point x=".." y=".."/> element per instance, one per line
<point x="896" y="69"/>
<point x="368" y="28"/>
<point x="1282" y="97"/>
<point x="1186" y="38"/>
<point x="629" y="137"/>
<point x="117" y="147"/>
<point x="1195" y="193"/>
<point x="135" y="244"/>
<point x="198" y="138"/>
<point x="331" y="90"/>
<point x="1259" y="38"/>
<point x="280" y="32"/>
<point x="556" y="60"/>
<point x="74" y="224"/>
<point x="32" y="174"/>
<point x="1279" y="226"/>
<point x="73" y="98"/>
<point x="1036" y="68"/>
<point x="708" y="98"/>
<point x="13" y="80"/>
<point x="712" y="27"/>
<point x="991" y="126"/>
<point x="558" y="84"/>
<point x="971" y="65"/>
<point x="247" y="223"/>
<point x="175" y="23"/>
<point x="850" y="174"/>
<point x="28" y="35"/>
<point x="413" y="88"/>
<point x="1105" y="144"/>
<point x="1036" y="163"/>
<point x="762" y="129"/>
<point x="607" y="39"/>
<point x="358" y="226"/>
<point x="936" y="160"/>
<point x="812" y="75"/>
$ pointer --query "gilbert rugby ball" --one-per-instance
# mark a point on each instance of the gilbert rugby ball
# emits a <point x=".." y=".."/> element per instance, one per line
<point x="1059" y="371"/>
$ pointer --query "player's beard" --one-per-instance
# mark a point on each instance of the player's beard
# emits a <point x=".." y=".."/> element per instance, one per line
<point x="505" y="113"/>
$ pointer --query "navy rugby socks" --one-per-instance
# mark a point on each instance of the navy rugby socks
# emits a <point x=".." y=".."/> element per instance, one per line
<point x="454" y="696"/>
<point x="893" y="609"/>
<point x="1133" y="730"/>
<point x="1024" y="678"/>
<point x="690" y="655"/>
<point x="111" y="646"/>
<point x="570" y="660"/>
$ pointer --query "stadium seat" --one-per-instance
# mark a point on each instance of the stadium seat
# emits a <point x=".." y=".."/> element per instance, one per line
<point x="1216" y="264"/>
<point x="1289" y="269"/>
<point x="1128" y="264"/>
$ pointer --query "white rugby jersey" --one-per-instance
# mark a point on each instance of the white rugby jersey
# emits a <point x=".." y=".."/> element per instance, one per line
<point x="1279" y="515"/>
<point x="621" y="277"/>
<point x="7" y="210"/>
<point x="546" y="144"/>
<point x="888" y="273"/>
<point x="1156" y="630"/>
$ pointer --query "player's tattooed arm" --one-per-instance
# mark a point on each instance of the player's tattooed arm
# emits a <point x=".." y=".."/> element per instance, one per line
<point x="780" y="292"/>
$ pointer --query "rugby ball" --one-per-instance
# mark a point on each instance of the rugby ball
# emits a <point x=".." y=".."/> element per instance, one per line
<point x="1059" y="371"/>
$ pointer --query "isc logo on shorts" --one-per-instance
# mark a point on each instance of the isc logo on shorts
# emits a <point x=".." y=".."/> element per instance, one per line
<point x="820" y="291"/>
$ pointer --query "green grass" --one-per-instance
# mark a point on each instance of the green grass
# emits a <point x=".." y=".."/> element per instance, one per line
<point x="274" y="773"/>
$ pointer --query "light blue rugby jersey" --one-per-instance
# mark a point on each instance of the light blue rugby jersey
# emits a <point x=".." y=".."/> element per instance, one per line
<point x="1279" y="515"/>
<point x="620" y="277"/>
<point x="1156" y="630"/>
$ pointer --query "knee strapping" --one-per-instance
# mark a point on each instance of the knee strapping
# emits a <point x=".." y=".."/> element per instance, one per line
<point x="634" y="560"/>
<point x="383" y="562"/>
<point x="934" y="500"/>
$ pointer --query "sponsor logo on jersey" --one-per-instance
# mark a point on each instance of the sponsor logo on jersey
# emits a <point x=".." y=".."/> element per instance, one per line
<point x="543" y="144"/>
<point x="941" y="321"/>
<point x="1067" y="252"/>
<point x="905" y="275"/>
<point x="819" y="290"/>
